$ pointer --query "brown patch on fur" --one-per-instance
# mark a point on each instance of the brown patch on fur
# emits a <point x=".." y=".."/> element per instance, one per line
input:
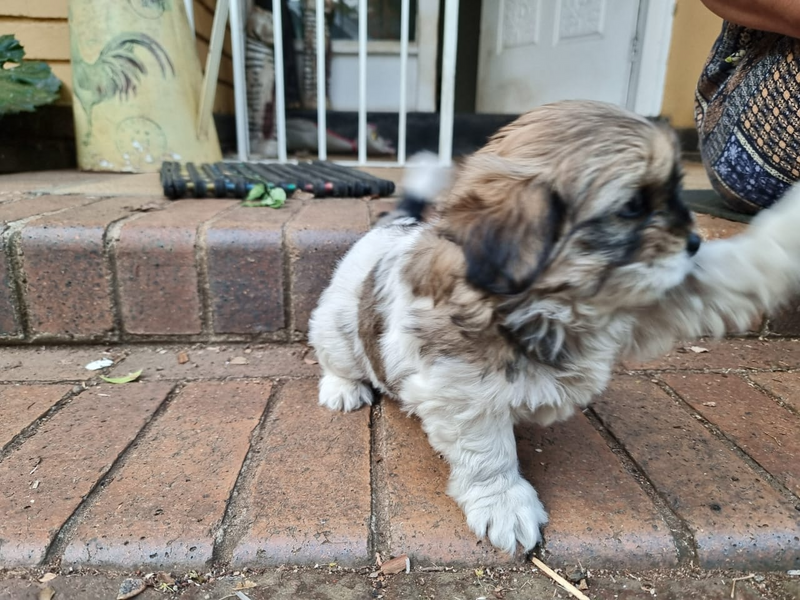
<point x="434" y="268"/>
<point x="463" y="322"/>
<point x="371" y="327"/>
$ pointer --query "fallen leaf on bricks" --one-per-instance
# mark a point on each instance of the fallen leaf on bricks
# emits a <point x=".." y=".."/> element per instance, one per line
<point x="48" y="577"/>
<point x="245" y="585"/>
<point x="47" y="593"/>
<point x="131" y="588"/>
<point x="183" y="357"/>
<point x="396" y="565"/>
<point x="124" y="379"/>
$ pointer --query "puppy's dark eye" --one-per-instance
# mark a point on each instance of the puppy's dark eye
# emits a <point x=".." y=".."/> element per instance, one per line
<point x="635" y="208"/>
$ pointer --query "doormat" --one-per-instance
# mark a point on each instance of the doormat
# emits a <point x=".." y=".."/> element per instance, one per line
<point x="237" y="179"/>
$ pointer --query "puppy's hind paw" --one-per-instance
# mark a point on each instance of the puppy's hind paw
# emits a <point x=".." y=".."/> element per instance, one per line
<point x="342" y="394"/>
<point x="508" y="518"/>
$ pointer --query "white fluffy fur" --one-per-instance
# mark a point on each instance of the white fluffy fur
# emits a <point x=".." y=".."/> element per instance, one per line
<point x="469" y="416"/>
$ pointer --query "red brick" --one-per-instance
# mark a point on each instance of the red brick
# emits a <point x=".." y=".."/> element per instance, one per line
<point x="10" y="322"/>
<point x="22" y="208"/>
<point x="309" y="497"/>
<point x="244" y="252"/>
<point x="21" y="405"/>
<point x="380" y="206"/>
<point x="115" y="184"/>
<point x="166" y="502"/>
<point x="68" y="279"/>
<point x="47" y="181"/>
<point x="30" y="206"/>
<point x="320" y="235"/>
<point x="716" y="228"/>
<point x="745" y="353"/>
<point x="767" y="432"/>
<point x="785" y="386"/>
<point x="213" y="362"/>
<point x="51" y="363"/>
<point x="73" y="450"/>
<point x="738" y="521"/>
<point x="597" y="511"/>
<point x="786" y="321"/>
<point x="157" y="271"/>
<point x="423" y="521"/>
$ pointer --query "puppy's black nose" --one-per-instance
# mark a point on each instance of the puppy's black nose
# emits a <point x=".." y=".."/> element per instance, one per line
<point x="693" y="243"/>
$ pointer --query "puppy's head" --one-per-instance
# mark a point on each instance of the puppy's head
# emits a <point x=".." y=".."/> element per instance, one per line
<point x="579" y="199"/>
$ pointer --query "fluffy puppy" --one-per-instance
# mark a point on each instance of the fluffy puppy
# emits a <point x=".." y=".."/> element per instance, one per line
<point x="561" y="247"/>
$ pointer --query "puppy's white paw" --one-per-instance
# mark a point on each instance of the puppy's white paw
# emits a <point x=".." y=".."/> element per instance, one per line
<point x="342" y="394"/>
<point x="507" y="518"/>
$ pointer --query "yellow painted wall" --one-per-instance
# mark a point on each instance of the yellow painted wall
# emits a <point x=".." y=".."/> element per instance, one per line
<point x="694" y="31"/>
<point x="41" y="27"/>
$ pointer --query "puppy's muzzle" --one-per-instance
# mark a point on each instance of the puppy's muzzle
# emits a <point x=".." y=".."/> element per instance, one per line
<point x="693" y="243"/>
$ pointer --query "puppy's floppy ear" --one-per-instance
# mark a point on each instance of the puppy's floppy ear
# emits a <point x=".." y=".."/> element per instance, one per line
<point x="507" y="238"/>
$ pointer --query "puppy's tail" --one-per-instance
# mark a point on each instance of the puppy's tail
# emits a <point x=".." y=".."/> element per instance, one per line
<point x="424" y="180"/>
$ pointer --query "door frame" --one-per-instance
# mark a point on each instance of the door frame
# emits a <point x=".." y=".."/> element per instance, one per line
<point x="651" y="57"/>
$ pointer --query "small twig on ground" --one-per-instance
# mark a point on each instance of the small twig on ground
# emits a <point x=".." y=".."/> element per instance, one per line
<point x="733" y="587"/>
<point x="559" y="579"/>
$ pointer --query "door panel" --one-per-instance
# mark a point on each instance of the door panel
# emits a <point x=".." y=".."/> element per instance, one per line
<point x="538" y="51"/>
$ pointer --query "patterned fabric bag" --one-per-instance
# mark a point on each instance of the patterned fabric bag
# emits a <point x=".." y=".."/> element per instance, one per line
<point x="747" y="112"/>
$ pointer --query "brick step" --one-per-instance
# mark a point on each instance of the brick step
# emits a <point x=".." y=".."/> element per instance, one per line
<point x="82" y="263"/>
<point x="94" y="266"/>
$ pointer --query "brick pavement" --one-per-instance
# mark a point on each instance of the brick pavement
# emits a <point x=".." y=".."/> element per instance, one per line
<point x="226" y="459"/>
<point x="76" y="249"/>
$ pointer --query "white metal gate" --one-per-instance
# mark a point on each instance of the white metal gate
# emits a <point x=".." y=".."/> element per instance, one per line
<point x="447" y="97"/>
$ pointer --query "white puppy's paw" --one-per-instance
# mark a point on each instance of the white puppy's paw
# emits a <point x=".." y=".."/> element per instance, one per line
<point x="342" y="394"/>
<point x="512" y="516"/>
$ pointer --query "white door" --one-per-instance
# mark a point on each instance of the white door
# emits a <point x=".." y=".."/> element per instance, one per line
<point x="538" y="51"/>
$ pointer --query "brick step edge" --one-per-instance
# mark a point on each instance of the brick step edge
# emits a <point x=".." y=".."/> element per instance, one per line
<point x="138" y="268"/>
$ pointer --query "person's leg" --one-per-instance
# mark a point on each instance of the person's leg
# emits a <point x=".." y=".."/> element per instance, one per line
<point x="747" y="117"/>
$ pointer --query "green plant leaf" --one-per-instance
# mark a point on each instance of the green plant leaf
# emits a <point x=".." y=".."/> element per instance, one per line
<point x="276" y="198"/>
<point x="125" y="379"/>
<point x="10" y="50"/>
<point x="27" y="85"/>
<point x="257" y="191"/>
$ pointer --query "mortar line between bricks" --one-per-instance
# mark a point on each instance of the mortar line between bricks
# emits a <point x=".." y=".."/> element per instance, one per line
<point x="288" y="282"/>
<point x="682" y="536"/>
<point x="10" y="240"/>
<point x="705" y="371"/>
<point x="372" y="539"/>
<point x="777" y="399"/>
<point x="201" y="265"/>
<point x="379" y="523"/>
<point x="30" y="430"/>
<point x="720" y="435"/>
<point x="110" y="241"/>
<point x="56" y="548"/>
<point x="232" y="527"/>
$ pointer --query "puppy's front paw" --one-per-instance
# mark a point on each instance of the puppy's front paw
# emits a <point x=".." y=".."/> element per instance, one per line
<point x="511" y="516"/>
<point x="342" y="394"/>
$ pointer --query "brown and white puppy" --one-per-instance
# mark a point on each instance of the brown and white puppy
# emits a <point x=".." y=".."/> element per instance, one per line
<point x="561" y="247"/>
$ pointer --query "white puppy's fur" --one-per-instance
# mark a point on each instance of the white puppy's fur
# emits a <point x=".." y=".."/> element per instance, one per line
<point x="468" y="411"/>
